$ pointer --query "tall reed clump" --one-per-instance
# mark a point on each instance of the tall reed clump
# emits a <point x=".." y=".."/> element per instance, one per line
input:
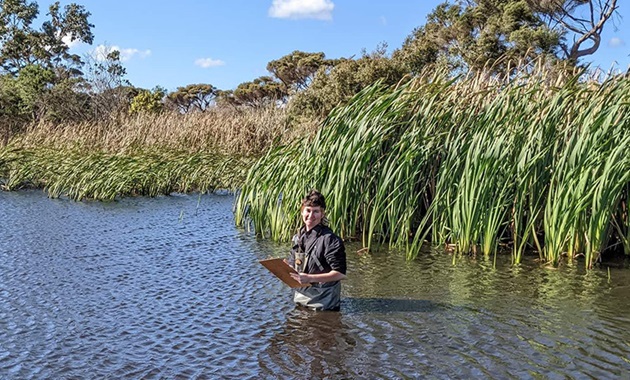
<point x="363" y="158"/>
<point x="590" y="172"/>
<point x="622" y="221"/>
<point x="145" y="154"/>
<point x="104" y="176"/>
<point x="476" y="164"/>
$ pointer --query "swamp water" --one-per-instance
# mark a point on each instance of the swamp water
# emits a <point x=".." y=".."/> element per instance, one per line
<point x="167" y="287"/>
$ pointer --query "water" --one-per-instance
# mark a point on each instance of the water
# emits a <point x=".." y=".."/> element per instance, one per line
<point x="168" y="288"/>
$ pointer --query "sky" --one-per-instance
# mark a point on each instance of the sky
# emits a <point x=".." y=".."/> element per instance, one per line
<point x="225" y="43"/>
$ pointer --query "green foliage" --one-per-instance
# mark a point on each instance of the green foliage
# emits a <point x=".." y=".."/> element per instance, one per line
<point x="193" y="97"/>
<point x="12" y="119"/>
<point x="336" y="85"/>
<point x="33" y="95"/>
<point x="260" y="92"/>
<point x="9" y="97"/>
<point x="148" y="101"/>
<point x="296" y="70"/>
<point x="46" y="74"/>
<point x="22" y="45"/>
<point x="475" y="35"/>
<point x="32" y="83"/>
<point x="103" y="176"/>
<point x="591" y="172"/>
<point x="63" y="103"/>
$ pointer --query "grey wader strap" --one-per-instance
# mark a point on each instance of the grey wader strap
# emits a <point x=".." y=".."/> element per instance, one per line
<point x="310" y="253"/>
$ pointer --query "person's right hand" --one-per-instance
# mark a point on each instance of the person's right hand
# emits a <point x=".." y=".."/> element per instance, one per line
<point x="302" y="278"/>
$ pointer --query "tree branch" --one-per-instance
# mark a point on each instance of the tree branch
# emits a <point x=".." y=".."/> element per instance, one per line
<point x="594" y="34"/>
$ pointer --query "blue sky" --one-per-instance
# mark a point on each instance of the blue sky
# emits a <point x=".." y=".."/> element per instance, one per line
<point x="225" y="43"/>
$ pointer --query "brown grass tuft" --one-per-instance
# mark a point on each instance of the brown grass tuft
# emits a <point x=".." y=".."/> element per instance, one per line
<point x="227" y="131"/>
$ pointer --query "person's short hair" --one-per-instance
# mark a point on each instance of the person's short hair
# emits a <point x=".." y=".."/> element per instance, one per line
<point x="314" y="199"/>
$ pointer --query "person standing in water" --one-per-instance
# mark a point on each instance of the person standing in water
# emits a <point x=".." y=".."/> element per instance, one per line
<point x="319" y="256"/>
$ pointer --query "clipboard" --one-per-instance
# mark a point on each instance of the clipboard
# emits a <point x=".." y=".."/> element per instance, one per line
<point x="283" y="271"/>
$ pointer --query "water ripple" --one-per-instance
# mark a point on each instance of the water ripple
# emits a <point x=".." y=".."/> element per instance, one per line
<point x="168" y="288"/>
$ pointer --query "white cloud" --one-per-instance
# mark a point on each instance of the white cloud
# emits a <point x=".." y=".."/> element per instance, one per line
<point x="296" y="9"/>
<point x="67" y="39"/>
<point x="616" y="42"/>
<point x="127" y="54"/>
<point x="208" y="62"/>
<point x="101" y="52"/>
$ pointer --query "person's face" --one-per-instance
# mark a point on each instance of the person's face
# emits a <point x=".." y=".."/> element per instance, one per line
<point x="312" y="216"/>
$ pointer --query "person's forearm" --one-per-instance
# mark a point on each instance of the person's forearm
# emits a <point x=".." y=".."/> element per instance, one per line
<point x="331" y="276"/>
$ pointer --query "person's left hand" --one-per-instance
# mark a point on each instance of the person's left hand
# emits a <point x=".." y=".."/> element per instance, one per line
<point x="302" y="278"/>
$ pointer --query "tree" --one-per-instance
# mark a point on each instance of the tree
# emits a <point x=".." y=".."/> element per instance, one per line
<point x="579" y="22"/>
<point x="104" y="71"/>
<point x="338" y="84"/>
<point x="473" y="35"/>
<point x="47" y="75"/>
<point x="494" y="35"/>
<point x="296" y="70"/>
<point x="259" y="92"/>
<point x="105" y="82"/>
<point x="193" y="97"/>
<point x="148" y="101"/>
<point x="62" y="102"/>
<point x="22" y="45"/>
<point x="32" y="83"/>
<point x="11" y="117"/>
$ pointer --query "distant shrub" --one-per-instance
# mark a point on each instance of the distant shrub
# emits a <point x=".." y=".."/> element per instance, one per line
<point x="148" y="101"/>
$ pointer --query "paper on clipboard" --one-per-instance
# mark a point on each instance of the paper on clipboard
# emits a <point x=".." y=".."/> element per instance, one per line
<point x="283" y="271"/>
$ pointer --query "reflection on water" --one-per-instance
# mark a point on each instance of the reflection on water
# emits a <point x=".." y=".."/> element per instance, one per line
<point x="168" y="288"/>
<point x="303" y="340"/>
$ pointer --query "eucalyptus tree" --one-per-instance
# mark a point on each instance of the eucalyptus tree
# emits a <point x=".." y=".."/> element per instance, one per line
<point x="37" y="60"/>
<point x="470" y="35"/>
<point x="104" y="80"/>
<point x="337" y="84"/>
<point x="260" y="92"/>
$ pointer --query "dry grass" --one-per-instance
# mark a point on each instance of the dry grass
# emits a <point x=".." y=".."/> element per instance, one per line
<point x="147" y="154"/>
<point x="248" y="132"/>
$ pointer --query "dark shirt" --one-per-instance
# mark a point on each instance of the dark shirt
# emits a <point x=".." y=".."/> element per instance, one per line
<point x="320" y="245"/>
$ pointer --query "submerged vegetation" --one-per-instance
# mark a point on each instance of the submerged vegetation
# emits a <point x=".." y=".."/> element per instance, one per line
<point x="476" y="164"/>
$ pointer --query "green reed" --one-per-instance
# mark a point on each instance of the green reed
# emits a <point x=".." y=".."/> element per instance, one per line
<point x="476" y="164"/>
<point x="349" y="160"/>
<point x="622" y="221"/>
<point x="106" y="176"/>
<point x="591" y="169"/>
